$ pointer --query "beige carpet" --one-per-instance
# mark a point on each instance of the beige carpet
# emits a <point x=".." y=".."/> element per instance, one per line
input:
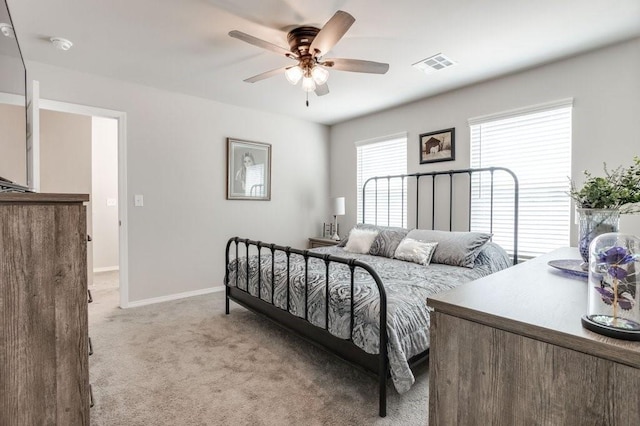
<point x="186" y="363"/>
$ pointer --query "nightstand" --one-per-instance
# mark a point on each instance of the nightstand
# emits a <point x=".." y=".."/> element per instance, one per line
<point x="321" y="242"/>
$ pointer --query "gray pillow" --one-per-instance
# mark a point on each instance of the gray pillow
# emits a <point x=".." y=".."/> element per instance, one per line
<point x="387" y="241"/>
<point x="454" y="248"/>
<point x="493" y="256"/>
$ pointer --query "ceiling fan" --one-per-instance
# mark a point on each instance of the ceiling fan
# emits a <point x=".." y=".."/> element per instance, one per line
<point x="308" y="45"/>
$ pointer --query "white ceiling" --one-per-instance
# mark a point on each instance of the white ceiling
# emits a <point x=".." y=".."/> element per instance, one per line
<point x="183" y="46"/>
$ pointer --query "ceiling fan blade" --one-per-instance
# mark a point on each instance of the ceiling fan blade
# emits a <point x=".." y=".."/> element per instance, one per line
<point x="266" y="75"/>
<point x="356" y="65"/>
<point x="273" y="14"/>
<point x="332" y="32"/>
<point x="260" y="43"/>
<point x="322" y="89"/>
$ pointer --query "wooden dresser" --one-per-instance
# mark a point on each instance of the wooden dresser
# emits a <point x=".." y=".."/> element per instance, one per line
<point x="44" y="377"/>
<point x="509" y="349"/>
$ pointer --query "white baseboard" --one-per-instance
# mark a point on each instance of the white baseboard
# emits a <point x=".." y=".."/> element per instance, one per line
<point x="175" y="296"/>
<point x="106" y="269"/>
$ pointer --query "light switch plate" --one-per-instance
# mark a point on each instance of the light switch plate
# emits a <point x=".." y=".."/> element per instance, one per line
<point x="138" y="200"/>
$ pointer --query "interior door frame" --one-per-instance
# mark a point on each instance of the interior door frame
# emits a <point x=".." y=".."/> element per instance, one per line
<point x="123" y="241"/>
<point x="33" y="135"/>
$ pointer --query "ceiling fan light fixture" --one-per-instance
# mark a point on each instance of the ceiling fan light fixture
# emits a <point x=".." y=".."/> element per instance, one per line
<point x="293" y="74"/>
<point x="308" y="46"/>
<point x="319" y="75"/>
<point x="308" y="85"/>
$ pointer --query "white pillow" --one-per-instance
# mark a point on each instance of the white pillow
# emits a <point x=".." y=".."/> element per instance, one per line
<point x="360" y="240"/>
<point x="415" y="251"/>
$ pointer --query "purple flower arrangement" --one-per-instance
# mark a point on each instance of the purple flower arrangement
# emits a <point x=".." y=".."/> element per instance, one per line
<point x="615" y="289"/>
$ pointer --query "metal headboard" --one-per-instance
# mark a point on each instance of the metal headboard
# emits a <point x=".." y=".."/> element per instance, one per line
<point x="451" y="173"/>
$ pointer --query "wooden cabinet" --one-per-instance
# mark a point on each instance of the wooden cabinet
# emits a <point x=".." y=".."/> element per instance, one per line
<point x="44" y="377"/>
<point x="510" y="349"/>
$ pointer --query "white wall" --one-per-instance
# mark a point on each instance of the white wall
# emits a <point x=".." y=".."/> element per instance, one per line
<point x="177" y="159"/>
<point x="13" y="152"/>
<point x="605" y="85"/>
<point x="11" y="71"/>
<point x="65" y="160"/>
<point x="104" y="192"/>
<point x="13" y="146"/>
<point x="65" y="152"/>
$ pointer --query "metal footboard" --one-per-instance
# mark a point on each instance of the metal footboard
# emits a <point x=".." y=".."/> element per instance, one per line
<point x="320" y="336"/>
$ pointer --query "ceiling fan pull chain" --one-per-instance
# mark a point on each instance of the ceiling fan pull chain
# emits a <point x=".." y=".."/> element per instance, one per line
<point x="307" y="99"/>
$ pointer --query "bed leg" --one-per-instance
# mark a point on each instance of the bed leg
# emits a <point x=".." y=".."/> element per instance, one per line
<point x="226" y="300"/>
<point x="383" y="395"/>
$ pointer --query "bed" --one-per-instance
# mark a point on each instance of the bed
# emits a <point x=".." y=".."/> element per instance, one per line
<point x="363" y="304"/>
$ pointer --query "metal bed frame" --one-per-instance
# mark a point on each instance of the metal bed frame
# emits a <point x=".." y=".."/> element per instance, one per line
<point x="374" y="364"/>
<point x="451" y="173"/>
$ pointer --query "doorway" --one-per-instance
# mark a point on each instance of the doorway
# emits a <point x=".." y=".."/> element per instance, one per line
<point x="104" y="193"/>
<point x="107" y="213"/>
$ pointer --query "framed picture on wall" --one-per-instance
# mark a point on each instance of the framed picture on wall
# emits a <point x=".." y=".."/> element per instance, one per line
<point x="248" y="170"/>
<point x="438" y="146"/>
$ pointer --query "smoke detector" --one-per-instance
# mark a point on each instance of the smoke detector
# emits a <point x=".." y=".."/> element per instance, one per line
<point x="61" y="43"/>
<point x="7" y="30"/>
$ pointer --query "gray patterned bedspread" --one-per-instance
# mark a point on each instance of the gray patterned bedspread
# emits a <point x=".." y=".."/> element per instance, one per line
<point x="407" y="286"/>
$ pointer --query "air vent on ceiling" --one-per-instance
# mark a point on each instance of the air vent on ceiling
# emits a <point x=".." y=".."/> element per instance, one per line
<point x="434" y="63"/>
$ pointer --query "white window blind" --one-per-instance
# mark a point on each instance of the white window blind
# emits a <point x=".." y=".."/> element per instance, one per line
<point x="387" y="157"/>
<point x="535" y="144"/>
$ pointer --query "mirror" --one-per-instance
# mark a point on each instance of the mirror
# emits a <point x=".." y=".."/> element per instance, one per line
<point x="13" y="112"/>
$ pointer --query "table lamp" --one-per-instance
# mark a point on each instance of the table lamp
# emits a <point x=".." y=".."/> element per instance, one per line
<point x="337" y="209"/>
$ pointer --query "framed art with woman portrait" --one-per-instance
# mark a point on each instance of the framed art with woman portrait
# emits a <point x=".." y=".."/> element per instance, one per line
<point x="248" y="170"/>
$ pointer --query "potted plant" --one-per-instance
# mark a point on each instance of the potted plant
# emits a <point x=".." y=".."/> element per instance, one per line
<point x="601" y="200"/>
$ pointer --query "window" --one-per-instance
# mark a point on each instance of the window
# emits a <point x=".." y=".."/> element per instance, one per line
<point x="535" y="143"/>
<point x="383" y="157"/>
